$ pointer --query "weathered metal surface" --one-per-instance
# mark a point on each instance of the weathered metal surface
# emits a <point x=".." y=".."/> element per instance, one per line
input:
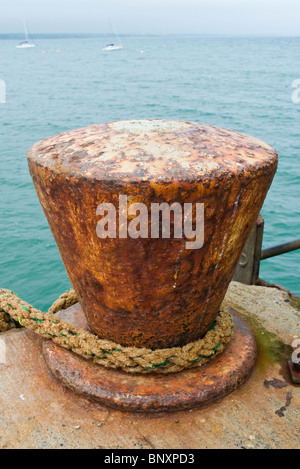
<point x="247" y="270"/>
<point x="153" y="393"/>
<point x="151" y="292"/>
<point x="36" y="411"/>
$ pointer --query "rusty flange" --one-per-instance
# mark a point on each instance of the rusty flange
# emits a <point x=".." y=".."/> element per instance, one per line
<point x="152" y="392"/>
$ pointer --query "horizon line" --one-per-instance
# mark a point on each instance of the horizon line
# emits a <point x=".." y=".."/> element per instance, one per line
<point x="83" y="34"/>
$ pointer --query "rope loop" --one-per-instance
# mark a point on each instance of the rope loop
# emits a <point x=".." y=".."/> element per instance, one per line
<point x="15" y="312"/>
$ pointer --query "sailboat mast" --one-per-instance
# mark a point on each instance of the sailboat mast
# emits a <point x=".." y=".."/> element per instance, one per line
<point x="26" y="30"/>
<point x="115" y="32"/>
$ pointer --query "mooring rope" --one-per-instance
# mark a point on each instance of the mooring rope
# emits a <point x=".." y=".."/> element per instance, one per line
<point x="17" y="313"/>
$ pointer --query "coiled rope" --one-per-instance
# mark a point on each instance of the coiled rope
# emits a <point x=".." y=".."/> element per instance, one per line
<point x="17" y="313"/>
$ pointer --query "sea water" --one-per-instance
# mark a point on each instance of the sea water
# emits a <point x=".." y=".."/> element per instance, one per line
<point x="239" y="83"/>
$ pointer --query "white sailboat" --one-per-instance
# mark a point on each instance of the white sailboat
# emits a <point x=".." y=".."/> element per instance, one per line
<point x="112" y="47"/>
<point x="118" y="46"/>
<point x="27" y="43"/>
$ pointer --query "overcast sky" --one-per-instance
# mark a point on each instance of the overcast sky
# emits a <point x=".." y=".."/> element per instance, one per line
<point x="279" y="17"/>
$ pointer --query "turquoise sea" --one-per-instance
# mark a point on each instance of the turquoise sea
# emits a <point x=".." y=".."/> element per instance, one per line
<point x="239" y="83"/>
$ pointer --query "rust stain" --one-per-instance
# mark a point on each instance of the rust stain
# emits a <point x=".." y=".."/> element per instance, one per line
<point x="281" y="412"/>
<point x="275" y="383"/>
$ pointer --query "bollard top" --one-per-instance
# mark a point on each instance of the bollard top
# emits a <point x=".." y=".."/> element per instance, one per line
<point x="152" y="150"/>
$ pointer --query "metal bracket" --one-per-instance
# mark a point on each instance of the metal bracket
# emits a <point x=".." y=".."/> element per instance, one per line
<point x="248" y="267"/>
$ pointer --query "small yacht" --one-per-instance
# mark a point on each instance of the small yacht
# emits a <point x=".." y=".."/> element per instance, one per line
<point x="112" y="47"/>
<point x="118" y="46"/>
<point x="27" y="43"/>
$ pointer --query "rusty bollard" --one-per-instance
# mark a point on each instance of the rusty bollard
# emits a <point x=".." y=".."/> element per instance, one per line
<point x="145" y="291"/>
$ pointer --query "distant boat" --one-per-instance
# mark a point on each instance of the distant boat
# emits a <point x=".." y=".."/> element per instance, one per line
<point x="112" y="47"/>
<point x="27" y="43"/>
<point x="118" y="46"/>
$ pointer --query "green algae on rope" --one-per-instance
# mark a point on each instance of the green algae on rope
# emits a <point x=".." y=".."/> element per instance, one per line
<point x="107" y="353"/>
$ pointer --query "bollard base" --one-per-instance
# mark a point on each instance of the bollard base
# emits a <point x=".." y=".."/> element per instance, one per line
<point x="153" y="392"/>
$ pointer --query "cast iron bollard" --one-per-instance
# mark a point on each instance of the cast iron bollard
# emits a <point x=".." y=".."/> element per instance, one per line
<point x="126" y="286"/>
<point x="145" y="291"/>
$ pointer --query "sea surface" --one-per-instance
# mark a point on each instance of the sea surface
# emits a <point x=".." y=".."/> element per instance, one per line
<point x="243" y="84"/>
